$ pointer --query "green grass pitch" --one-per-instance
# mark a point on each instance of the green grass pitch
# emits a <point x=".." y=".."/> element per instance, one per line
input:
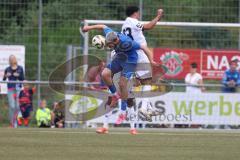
<point x="79" y="144"/>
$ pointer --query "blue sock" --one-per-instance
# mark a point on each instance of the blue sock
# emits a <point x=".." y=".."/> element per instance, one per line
<point x="124" y="105"/>
<point x="112" y="88"/>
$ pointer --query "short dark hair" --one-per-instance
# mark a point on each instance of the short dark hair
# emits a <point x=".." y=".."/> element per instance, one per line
<point x="131" y="9"/>
<point x="194" y="65"/>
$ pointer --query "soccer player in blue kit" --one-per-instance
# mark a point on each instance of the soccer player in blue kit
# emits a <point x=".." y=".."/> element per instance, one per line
<point x="124" y="61"/>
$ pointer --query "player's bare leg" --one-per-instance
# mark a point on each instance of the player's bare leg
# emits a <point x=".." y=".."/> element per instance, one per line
<point x="123" y="84"/>
<point x="107" y="79"/>
<point x="123" y="87"/>
<point x="146" y="86"/>
<point x="147" y="110"/>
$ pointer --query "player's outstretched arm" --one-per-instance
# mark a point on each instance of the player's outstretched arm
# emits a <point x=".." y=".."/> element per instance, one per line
<point x="152" y="23"/>
<point x="149" y="54"/>
<point x="94" y="27"/>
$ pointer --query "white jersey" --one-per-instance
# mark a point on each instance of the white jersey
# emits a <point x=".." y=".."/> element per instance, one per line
<point x="134" y="29"/>
<point x="193" y="80"/>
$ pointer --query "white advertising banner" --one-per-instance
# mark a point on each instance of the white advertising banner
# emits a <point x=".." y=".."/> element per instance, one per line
<point x="5" y="52"/>
<point x="203" y="108"/>
<point x="185" y="108"/>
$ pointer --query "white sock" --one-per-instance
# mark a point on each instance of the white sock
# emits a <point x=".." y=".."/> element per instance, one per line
<point x="106" y="119"/>
<point x="132" y="125"/>
<point x="146" y="101"/>
<point x="105" y="124"/>
<point x="132" y="117"/>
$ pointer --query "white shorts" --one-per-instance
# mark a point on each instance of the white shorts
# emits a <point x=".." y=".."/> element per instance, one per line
<point x="144" y="68"/>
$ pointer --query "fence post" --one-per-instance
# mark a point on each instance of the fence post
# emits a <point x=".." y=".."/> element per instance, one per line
<point x="39" y="48"/>
<point x="141" y="9"/>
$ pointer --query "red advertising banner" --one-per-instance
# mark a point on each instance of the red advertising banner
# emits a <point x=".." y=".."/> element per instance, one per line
<point x="215" y="62"/>
<point x="211" y="63"/>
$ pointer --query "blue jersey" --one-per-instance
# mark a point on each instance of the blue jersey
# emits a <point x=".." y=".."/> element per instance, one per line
<point x="126" y="48"/>
<point x="229" y="76"/>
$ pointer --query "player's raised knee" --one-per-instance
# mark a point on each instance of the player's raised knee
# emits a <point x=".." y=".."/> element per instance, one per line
<point x="106" y="73"/>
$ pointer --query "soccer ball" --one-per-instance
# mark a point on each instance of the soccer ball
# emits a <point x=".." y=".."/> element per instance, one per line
<point x="98" y="41"/>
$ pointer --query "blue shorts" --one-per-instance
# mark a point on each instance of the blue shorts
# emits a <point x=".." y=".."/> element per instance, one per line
<point x="126" y="68"/>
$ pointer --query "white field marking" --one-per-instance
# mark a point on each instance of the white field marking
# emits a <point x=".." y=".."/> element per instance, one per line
<point x="126" y="132"/>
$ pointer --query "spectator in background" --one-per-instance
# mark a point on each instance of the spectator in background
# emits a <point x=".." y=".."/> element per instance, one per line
<point x="194" y="80"/>
<point x="58" y="115"/>
<point x="94" y="75"/>
<point x="25" y="103"/>
<point x="13" y="73"/>
<point x="194" y="83"/>
<point x="43" y="115"/>
<point x="231" y="78"/>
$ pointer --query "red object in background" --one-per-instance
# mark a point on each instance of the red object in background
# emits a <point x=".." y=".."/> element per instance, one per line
<point x="176" y="60"/>
<point x="215" y="62"/>
<point x="211" y="63"/>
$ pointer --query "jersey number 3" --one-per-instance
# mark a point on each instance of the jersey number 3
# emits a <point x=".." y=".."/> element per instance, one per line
<point x="128" y="32"/>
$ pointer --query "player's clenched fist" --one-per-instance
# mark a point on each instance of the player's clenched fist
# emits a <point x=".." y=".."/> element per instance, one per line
<point x="85" y="29"/>
<point x="160" y="12"/>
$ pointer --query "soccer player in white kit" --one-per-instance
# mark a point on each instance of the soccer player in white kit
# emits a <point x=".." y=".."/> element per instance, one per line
<point x="134" y="29"/>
